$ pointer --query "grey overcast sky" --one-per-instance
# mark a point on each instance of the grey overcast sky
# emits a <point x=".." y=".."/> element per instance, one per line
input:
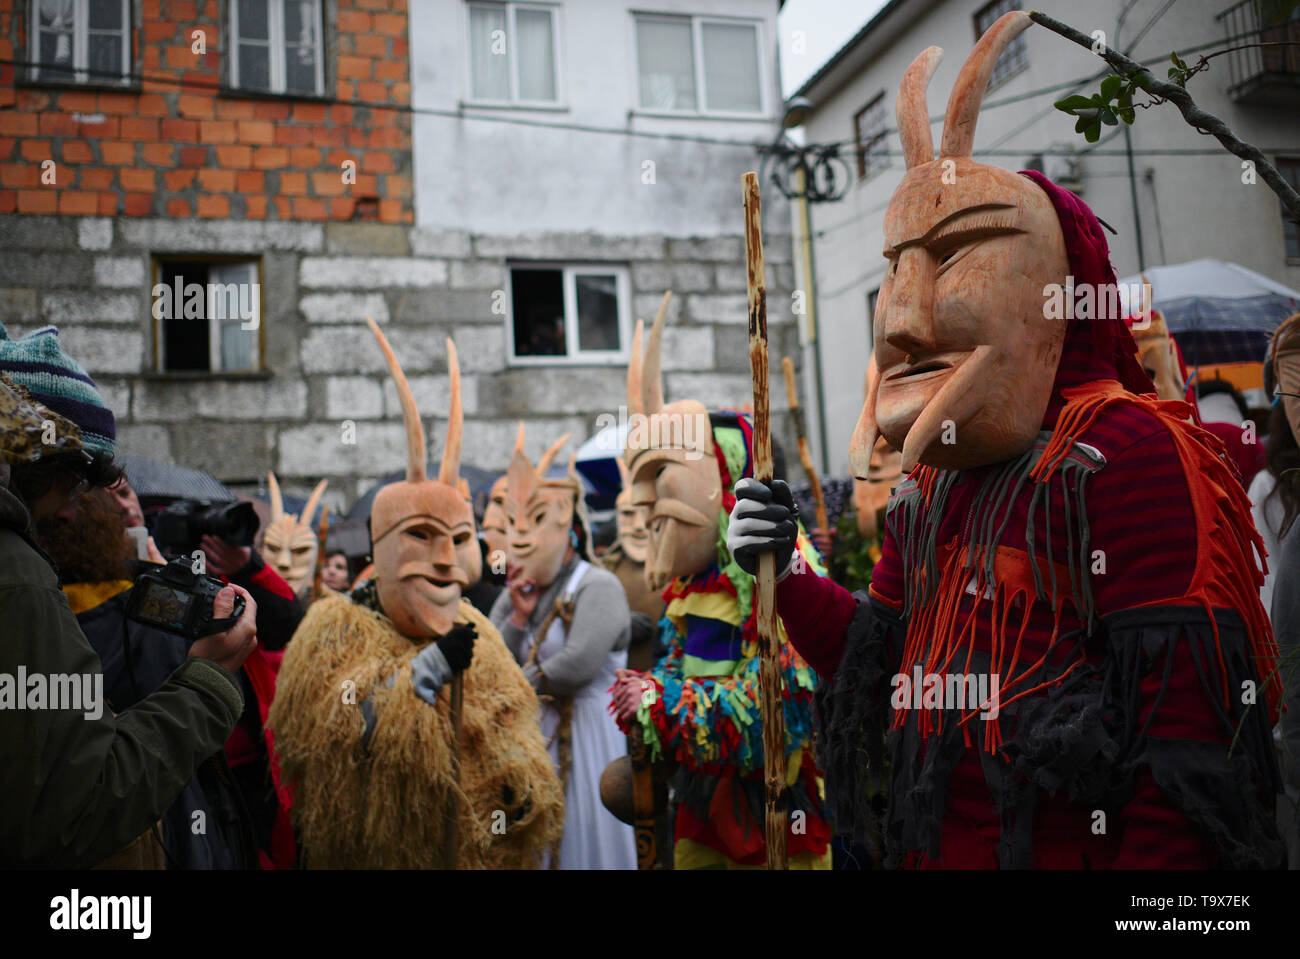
<point x="811" y="32"/>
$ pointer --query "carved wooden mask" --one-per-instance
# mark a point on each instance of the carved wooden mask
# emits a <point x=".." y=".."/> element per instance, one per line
<point x="539" y="512"/>
<point x="422" y="530"/>
<point x="964" y="357"/>
<point x="289" y="543"/>
<point x="633" y="530"/>
<point x="494" y="520"/>
<point x="871" y="496"/>
<point x="672" y="467"/>
<point x="1286" y="369"/>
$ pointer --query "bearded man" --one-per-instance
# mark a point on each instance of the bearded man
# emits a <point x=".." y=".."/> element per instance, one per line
<point x="384" y="771"/>
<point x="1063" y="637"/>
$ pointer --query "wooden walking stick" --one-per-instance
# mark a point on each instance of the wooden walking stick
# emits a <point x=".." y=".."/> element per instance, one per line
<point x="805" y="457"/>
<point x="320" y="556"/>
<point x="774" y="762"/>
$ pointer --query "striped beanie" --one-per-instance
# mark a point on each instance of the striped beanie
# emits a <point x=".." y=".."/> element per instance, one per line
<point x="37" y="362"/>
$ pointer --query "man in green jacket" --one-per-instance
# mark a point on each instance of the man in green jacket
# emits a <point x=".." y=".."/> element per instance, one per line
<point x="81" y="783"/>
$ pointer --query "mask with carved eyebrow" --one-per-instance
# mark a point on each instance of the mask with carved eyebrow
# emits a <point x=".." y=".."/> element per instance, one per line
<point x="289" y="544"/>
<point x="964" y="357"/>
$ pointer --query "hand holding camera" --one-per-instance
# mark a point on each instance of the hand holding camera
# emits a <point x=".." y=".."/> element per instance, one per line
<point x="230" y="648"/>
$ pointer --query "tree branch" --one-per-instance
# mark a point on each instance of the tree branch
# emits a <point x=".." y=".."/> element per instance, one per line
<point x="1193" y="114"/>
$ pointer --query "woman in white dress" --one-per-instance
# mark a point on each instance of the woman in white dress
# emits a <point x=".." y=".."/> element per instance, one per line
<point x="567" y="622"/>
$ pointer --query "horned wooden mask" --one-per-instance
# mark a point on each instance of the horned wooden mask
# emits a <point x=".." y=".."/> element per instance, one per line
<point x="1285" y="353"/>
<point x="539" y="513"/>
<point x="422" y="530"/>
<point x="290" y="545"/>
<point x="494" y="521"/>
<point x="1156" y="350"/>
<point x="871" y="496"/>
<point x="633" y="532"/>
<point x="672" y="467"/>
<point x="964" y="358"/>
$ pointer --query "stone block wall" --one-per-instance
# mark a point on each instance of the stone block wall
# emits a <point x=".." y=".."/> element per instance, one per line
<point x="323" y="374"/>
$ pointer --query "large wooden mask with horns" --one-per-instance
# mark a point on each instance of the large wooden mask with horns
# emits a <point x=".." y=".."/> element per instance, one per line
<point x="1156" y="351"/>
<point x="422" y="530"/>
<point x="964" y="357"/>
<point x="290" y="545"/>
<point x="672" y="467"/>
<point x="539" y="513"/>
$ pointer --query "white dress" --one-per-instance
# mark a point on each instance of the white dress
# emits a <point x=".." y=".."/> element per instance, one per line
<point x="594" y="838"/>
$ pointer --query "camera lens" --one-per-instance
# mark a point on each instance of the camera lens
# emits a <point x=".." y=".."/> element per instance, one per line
<point x="236" y="523"/>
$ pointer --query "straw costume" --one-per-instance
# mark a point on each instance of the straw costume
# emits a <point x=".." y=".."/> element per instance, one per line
<point x="700" y="706"/>
<point x="362" y="715"/>
<point x="1083" y="549"/>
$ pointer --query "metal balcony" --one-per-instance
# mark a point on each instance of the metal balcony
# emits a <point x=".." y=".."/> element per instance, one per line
<point x="1268" y="75"/>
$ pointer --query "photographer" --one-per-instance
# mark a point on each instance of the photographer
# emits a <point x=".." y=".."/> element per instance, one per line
<point x="83" y="784"/>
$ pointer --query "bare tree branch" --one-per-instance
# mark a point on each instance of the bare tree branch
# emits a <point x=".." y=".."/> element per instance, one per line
<point x="1193" y="114"/>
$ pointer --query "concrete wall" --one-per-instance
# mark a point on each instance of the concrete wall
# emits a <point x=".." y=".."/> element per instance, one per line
<point x="90" y="276"/>
<point x="1199" y="207"/>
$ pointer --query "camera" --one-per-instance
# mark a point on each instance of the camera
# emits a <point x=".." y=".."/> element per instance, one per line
<point x="177" y="600"/>
<point x="178" y="528"/>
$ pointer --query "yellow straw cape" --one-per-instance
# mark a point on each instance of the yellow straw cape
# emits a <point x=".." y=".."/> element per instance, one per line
<point x="385" y="806"/>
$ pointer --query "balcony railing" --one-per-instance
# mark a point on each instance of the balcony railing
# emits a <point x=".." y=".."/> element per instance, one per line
<point x="1264" y="75"/>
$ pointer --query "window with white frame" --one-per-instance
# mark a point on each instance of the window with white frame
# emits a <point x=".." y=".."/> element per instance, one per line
<point x="207" y="315"/>
<point x="1013" y="58"/>
<point x="569" y="313"/>
<point x="81" y="41"/>
<point x="698" y="65"/>
<point x="278" y="46"/>
<point x="513" y="53"/>
<point x="1289" y="167"/>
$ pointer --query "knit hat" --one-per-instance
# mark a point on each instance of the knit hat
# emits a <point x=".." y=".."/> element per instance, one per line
<point x="38" y="362"/>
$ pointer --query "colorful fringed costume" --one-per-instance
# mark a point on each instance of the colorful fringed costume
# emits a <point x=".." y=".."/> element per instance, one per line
<point x="704" y="712"/>
<point x="376" y="795"/>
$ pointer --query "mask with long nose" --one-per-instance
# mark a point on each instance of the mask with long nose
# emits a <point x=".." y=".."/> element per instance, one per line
<point x="422" y="530"/>
<point x="290" y="544"/>
<point x="672" y="468"/>
<point x="1156" y="349"/>
<point x="539" y="513"/>
<point x="871" y="496"/>
<point x="965" y="356"/>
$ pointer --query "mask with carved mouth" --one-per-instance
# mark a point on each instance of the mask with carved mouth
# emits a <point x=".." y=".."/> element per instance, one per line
<point x="633" y="526"/>
<point x="494" y="524"/>
<point x="965" y="356"/>
<point x="422" y="530"/>
<point x="542" y="514"/>
<point x="1157" y="350"/>
<point x="289" y="544"/>
<point x="672" y="467"/>
<point x="871" y="496"/>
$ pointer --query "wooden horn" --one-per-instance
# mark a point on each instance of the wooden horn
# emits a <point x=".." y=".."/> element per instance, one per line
<point x="652" y="381"/>
<point x="277" y="504"/>
<point x="913" y="115"/>
<point x="415" y="451"/>
<point x="973" y="80"/>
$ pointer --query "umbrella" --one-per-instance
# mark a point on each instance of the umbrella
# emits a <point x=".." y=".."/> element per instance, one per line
<point x="1219" y="312"/>
<point x="480" y="481"/>
<point x="152" y="479"/>
<point x="597" y="464"/>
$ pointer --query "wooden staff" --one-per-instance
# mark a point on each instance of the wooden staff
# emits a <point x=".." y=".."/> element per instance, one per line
<point x="765" y="599"/>
<point x="805" y="457"/>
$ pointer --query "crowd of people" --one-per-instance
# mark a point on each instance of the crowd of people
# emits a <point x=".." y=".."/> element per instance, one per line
<point x="1051" y="623"/>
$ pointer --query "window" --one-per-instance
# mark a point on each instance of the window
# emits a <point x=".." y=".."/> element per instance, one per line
<point x="512" y="53"/>
<point x="698" y="65"/>
<point x="81" y="41"/>
<point x="1289" y="167"/>
<point x="869" y="127"/>
<point x="569" y="314"/>
<point x="207" y="315"/>
<point x="277" y="46"/>
<point x="1013" y="58"/>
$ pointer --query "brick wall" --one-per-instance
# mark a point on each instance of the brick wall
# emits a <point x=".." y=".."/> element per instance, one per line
<point x="175" y="147"/>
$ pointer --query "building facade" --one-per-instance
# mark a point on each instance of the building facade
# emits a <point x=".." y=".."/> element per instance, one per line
<point x="1171" y="194"/>
<point x="209" y="198"/>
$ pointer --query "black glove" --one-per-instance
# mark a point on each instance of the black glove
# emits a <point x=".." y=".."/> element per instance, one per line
<point x="458" y="646"/>
<point x="765" y="519"/>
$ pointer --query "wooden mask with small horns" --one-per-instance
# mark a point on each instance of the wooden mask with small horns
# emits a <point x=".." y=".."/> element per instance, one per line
<point x="422" y="530"/>
<point x="964" y="357"/>
<point x="539" y="513"/>
<point x="672" y="467"/>
<point x="290" y="544"/>
<point x="1156" y="350"/>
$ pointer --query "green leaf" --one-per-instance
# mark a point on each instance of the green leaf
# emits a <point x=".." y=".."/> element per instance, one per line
<point x="1093" y="132"/>
<point x="1108" y="117"/>
<point x="1127" y="115"/>
<point x="1110" y="86"/>
<point x="1070" y="104"/>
